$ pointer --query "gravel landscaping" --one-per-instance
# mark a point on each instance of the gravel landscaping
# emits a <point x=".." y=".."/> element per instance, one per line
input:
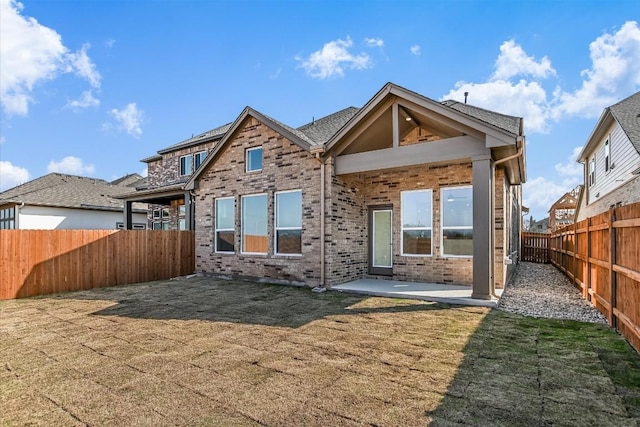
<point x="541" y="290"/>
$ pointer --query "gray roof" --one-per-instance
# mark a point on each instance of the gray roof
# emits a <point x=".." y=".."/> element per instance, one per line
<point x="215" y="133"/>
<point x="321" y="130"/>
<point x="509" y="123"/>
<point x="627" y="113"/>
<point x="130" y="180"/>
<point x="70" y="191"/>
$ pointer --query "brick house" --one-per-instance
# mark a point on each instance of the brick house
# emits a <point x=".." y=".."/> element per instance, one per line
<point x="405" y="188"/>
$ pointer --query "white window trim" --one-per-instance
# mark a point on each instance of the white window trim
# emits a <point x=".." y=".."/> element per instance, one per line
<point x="592" y="182"/>
<point x="607" y="155"/>
<point x="216" y="229"/>
<point x="457" y="227"/>
<point x="403" y="228"/>
<point x="275" y="224"/>
<point x="246" y="159"/>
<point x="242" y="224"/>
<point x="180" y="165"/>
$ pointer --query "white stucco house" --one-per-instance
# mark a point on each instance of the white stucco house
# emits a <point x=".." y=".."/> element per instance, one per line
<point x="60" y="201"/>
<point x="611" y="159"/>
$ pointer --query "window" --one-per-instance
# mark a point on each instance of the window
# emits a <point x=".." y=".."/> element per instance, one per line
<point x="156" y="226"/>
<point x="182" y="217"/>
<point x="186" y="165"/>
<point x="288" y="223"/>
<point x="416" y="207"/>
<point x="592" y="171"/>
<point x="254" y="159"/>
<point x="607" y="156"/>
<point x="156" y="214"/>
<point x="198" y="158"/>
<point x="8" y="218"/>
<point x="457" y="221"/>
<point x="134" y="226"/>
<point x="225" y="224"/>
<point x="254" y="224"/>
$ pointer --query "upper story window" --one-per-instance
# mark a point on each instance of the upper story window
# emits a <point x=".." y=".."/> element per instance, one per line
<point x="198" y="159"/>
<point x="416" y="213"/>
<point x="457" y="221"/>
<point x="592" y="171"/>
<point x="607" y="156"/>
<point x="186" y="165"/>
<point x="8" y="218"/>
<point x="254" y="159"/>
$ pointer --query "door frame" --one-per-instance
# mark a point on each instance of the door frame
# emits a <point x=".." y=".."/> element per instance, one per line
<point x="379" y="271"/>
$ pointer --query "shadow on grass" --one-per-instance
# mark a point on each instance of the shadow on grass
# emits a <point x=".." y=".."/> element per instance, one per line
<point x="522" y="371"/>
<point x="238" y="302"/>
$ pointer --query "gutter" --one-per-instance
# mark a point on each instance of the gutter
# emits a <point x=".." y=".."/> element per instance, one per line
<point x="519" y="139"/>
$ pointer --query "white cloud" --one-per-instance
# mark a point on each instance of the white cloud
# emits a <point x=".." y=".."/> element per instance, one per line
<point x="144" y="172"/>
<point x="513" y="61"/>
<point x="85" y="101"/>
<point x="333" y="59"/>
<point x="571" y="168"/>
<point x="540" y="193"/>
<point x="526" y="99"/>
<point x="129" y="119"/>
<point x="71" y="165"/>
<point x="11" y="175"/>
<point x="374" y="42"/>
<point x="31" y="54"/>
<point x="614" y="74"/>
<point x="415" y="50"/>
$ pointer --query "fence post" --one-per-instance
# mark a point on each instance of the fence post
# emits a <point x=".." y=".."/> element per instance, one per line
<point x="613" y="320"/>
<point x="575" y="252"/>
<point x="587" y="275"/>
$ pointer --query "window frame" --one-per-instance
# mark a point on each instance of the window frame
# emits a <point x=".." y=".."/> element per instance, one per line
<point x="592" y="171"/>
<point x="403" y="228"/>
<point x="246" y="159"/>
<point x="216" y="229"/>
<point x="266" y="218"/>
<point x="457" y="227"/>
<point x="202" y="155"/>
<point x="8" y="218"/>
<point x="275" y="223"/>
<point x="607" y="155"/>
<point x="190" y="171"/>
<point x="182" y="217"/>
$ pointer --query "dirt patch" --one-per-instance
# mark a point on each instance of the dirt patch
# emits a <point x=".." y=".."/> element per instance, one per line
<point x="205" y="352"/>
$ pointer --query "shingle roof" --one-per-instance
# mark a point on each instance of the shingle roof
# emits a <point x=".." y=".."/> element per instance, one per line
<point x="61" y="190"/>
<point x="509" y="123"/>
<point x="194" y="140"/>
<point x="627" y="113"/>
<point x="321" y="130"/>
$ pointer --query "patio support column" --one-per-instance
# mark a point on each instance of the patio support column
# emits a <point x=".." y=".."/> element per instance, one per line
<point x="128" y="222"/>
<point x="189" y="211"/>
<point x="482" y="227"/>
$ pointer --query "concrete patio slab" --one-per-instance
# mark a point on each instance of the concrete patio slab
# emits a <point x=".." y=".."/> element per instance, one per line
<point x="436" y="292"/>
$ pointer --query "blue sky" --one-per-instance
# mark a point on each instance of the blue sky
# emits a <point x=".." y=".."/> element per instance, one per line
<point x="92" y="87"/>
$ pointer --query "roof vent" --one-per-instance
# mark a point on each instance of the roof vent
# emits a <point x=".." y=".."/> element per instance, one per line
<point x="466" y="94"/>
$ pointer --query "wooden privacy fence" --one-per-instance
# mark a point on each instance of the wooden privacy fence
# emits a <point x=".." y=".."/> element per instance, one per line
<point x="40" y="262"/>
<point x="601" y="255"/>
<point x="535" y="247"/>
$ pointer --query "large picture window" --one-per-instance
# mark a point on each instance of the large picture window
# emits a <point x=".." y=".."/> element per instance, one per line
<point x="288" y="223"/>
<point x="457" y="221"/>
<point x="416" y="207"/>
<point x="225" y="224"/>
<point x="254" y="224"/>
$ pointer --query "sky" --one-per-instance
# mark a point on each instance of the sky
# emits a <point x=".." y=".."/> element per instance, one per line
<point x="91" y="87"/>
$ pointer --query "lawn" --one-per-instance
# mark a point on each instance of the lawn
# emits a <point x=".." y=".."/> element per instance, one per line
<point x="203" y="352"/>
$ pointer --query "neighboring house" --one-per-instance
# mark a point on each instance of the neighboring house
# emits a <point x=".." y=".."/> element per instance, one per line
<point x="563" y="211"/>
<point x="405" y="188"/>
<point x="611" y="159"/>
<point x="541" y="226"/>
<point x="60" y="201"/>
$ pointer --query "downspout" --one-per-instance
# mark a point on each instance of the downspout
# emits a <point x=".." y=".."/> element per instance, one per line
<point x="519" y="151"/>
<point x="17" y="219"/>
<point x="322" y="220"/>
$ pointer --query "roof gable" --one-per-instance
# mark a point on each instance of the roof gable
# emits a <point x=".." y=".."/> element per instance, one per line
<point x="293" y="135"/>
<point x="627" y="114"/>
